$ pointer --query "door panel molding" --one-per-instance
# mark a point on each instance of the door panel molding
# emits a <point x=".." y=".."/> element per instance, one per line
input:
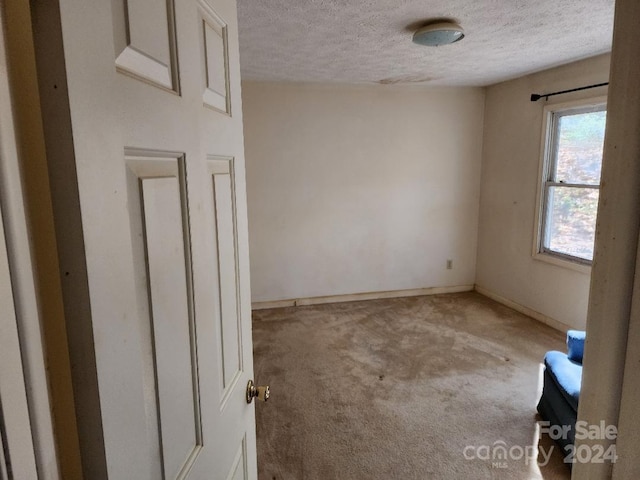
<point x="215" y="48"/>
<point x="238" y="469"/>
<point x="158" y="204"/>
<point x="145" y="42"/>
<point x="230" y="342"/>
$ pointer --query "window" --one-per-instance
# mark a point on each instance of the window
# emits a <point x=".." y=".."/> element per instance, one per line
<point x="571" y="181"/>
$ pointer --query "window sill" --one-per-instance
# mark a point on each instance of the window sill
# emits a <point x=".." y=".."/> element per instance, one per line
<point x="561" y="262"/>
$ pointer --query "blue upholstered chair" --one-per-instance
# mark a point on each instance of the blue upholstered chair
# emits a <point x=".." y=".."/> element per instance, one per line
<point x="561" y="391"/>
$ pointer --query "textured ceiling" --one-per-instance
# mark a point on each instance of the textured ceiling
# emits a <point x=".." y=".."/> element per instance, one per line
<point x="369" y="41"/>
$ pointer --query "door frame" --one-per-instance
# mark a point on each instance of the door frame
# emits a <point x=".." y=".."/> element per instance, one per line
<point x="27" y="429"/>
<point x="611" y="378"/>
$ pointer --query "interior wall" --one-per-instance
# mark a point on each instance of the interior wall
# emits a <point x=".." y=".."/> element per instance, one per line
<point x="506" y="268"/>
<point x="361" y="188"/>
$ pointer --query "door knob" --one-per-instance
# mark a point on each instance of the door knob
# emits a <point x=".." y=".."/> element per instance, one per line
<point x="262" y="393"/>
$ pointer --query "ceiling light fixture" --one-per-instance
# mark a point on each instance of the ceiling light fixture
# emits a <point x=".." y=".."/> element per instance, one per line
<point x="440" y="33"/>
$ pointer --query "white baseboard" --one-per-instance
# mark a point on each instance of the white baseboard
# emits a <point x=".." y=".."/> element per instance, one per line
<point x="354" y="297"/>
<point x="552" y="322"/>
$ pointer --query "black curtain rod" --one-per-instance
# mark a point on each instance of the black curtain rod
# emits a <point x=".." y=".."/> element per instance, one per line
<point x="535" y="97"/>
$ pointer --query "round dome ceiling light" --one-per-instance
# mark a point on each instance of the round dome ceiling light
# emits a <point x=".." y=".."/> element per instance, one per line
<point x="441" y="33"/>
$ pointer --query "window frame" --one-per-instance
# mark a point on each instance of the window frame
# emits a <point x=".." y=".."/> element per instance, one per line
<point x="548" y="159"/>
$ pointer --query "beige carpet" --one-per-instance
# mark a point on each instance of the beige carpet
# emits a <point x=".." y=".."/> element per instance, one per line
<point x="401" y="388"/>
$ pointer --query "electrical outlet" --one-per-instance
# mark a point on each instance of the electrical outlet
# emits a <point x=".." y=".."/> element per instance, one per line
<point x="449" y="264"/>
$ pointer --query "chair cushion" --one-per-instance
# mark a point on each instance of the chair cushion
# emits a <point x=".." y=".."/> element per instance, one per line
<point x="566" y="373"/>
<point x="575" y="345"/>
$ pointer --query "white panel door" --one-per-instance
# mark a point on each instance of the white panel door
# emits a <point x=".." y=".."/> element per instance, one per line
<point x="145" y="145"/>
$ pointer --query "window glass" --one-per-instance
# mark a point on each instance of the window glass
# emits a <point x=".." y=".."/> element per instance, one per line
<point x="580" y="143"/>
<point x="571" y="221"/>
